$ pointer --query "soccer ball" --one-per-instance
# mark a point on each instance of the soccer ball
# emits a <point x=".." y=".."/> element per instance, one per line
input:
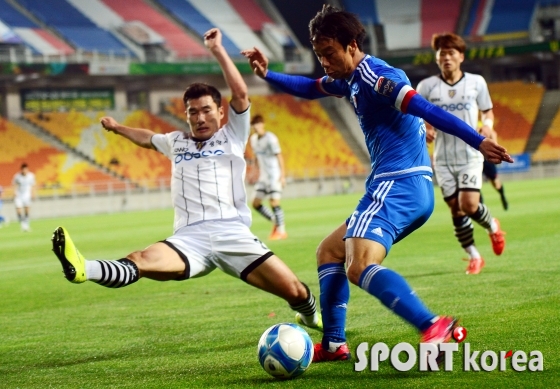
<point x="285" y="350"/>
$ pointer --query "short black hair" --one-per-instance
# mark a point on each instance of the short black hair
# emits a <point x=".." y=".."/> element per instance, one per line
<point x="23" y="165"/>
<point x="342" y="26"/>
<point x="200" y="89"/>
<point x="257" y="119"/>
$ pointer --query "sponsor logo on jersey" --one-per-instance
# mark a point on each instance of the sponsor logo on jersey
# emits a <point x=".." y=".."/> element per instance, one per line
<point x="189" y="156"/>
<point x="384" y="86"/>
<point x="456" y="107"/>
<point x="377" y="231"/>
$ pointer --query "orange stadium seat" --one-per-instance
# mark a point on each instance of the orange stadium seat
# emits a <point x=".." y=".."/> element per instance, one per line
<point x="516" y="105"/>
<point x="83" y="132"/>
<point x="549" y="149"/>
<point x="54" y="169"/>
<point x="311" y="145"/>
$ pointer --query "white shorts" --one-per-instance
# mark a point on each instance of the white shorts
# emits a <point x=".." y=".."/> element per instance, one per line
<point x="267" y="188"/>
<point x="21" y="202"/>
<point x="452" y="179"/>
<point x="227" y="245"/>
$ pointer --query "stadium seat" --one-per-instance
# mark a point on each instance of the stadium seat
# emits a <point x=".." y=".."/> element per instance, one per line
<point x="83" y="132"/>
<point x="75" y="27"/>
<point x="549" y="149"/>
<point x="177" y="40"/>
<point x="196" y="21"/>
<point x="503" y="19"/>
<point x="37" y="38"/>
<point x="516" y="105"/>
<point x="55" y="171"/>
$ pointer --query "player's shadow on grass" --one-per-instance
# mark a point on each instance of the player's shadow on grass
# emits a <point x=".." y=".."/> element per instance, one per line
<point x="79" y="361"/>
<point x="430" y="274"/>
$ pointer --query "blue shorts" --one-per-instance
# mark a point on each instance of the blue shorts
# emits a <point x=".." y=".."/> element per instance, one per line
<point x="392" y="210"/>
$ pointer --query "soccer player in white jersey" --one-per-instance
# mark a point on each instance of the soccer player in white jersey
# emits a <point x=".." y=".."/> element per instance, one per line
<point x="24" y="187"/>
<point x="272" y="179"/>
<point x="212" y="218"/>
<point x="458" y="166"/>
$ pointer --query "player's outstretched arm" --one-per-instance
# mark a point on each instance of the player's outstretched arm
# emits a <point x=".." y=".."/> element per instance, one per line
<point x="295" y="85"/>
<point x="239" y="92"/>
<point x="405" y="99"/>
<point x="138" y="136"/>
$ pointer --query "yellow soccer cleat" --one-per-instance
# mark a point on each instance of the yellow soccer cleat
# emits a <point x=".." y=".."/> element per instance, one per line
<point x="318" y="326"/>
<point x="73" y="263"/>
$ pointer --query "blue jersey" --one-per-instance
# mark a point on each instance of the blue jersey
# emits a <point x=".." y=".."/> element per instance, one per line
<point x="396" y="141"/>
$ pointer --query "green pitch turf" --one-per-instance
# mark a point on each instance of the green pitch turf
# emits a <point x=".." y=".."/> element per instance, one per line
<point x="203" y="333"/>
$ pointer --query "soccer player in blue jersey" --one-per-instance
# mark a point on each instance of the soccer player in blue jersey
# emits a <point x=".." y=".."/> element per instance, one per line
<point x="399" y="194"/>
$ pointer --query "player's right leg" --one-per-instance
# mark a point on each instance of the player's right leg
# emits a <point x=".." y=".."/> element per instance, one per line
<point x="158" y="262"/>
<point x="335" y="293"/>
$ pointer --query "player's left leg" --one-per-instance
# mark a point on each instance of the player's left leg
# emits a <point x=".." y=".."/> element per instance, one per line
<point x="279" y="231"/>
<point x="237" y="252"/>
<point x="491" y="172"/>
<point x="469" y="203"/>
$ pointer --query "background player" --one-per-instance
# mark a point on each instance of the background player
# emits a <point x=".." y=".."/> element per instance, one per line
<point x="212" y="218"/>
<point x="458" y="166"/>
<point x="24" y="184"/>
<point x="272" y="178"/>
<point x="399" y="191"/>
<point x="2" y="218"/>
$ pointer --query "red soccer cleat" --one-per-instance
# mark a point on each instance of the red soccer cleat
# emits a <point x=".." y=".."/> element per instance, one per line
<point x="277" y="235"/>
<point x="440" y="331"/>
<point x="475" y="265"/>
<point x="498" y="240"/>
<point x="342" y="353"/>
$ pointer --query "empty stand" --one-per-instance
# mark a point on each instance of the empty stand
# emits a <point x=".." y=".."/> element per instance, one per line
<point x="192" y="18"/>
<point x="82" y="132"/>
<point x="516" y="105"/>
<point x="75" y="26"/>
<point x="252" y="14"/>
<point x="438" y="17"/>
<point x="549" y="149"/>
<point x="221" y="14"/>
<point x="42" y="41"/>
<point x="177" y="40"/>
<point x="55" y="171"/>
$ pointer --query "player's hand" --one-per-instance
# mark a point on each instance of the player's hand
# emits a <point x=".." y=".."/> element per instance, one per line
<point x="257" y="60"/>
<point x="213" y="38"/>
<point x="109" y="123"/>
<point x="283" y="182"/>
<point x="430" y="134"/>
<point x="493" y="152"/>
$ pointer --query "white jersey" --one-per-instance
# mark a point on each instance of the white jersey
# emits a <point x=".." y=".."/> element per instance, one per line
<point x="23" y="185"/>
<point x="266" y="148"/>
<point x="464" y="100"/>
<point x="208" y="177"/>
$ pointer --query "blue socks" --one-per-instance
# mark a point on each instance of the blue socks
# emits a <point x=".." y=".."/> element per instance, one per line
<point x="335" y="293"/>
<point x="394" y="292"/>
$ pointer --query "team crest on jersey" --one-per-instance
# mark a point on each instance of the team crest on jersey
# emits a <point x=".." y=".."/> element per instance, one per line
<point x="200" y="145"/>
<point x="452" y="92"/>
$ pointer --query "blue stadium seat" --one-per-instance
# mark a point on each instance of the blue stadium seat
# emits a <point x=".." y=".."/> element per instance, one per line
<point x="75" y="26"/>
<point x="364" y="9"/>
<point x="197" y="22"/>
<point x="511" y="15"/>
<point x="13" y="18"/>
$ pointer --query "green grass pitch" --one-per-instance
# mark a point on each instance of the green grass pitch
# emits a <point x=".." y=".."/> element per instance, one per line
<point x="203" y="333"/>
